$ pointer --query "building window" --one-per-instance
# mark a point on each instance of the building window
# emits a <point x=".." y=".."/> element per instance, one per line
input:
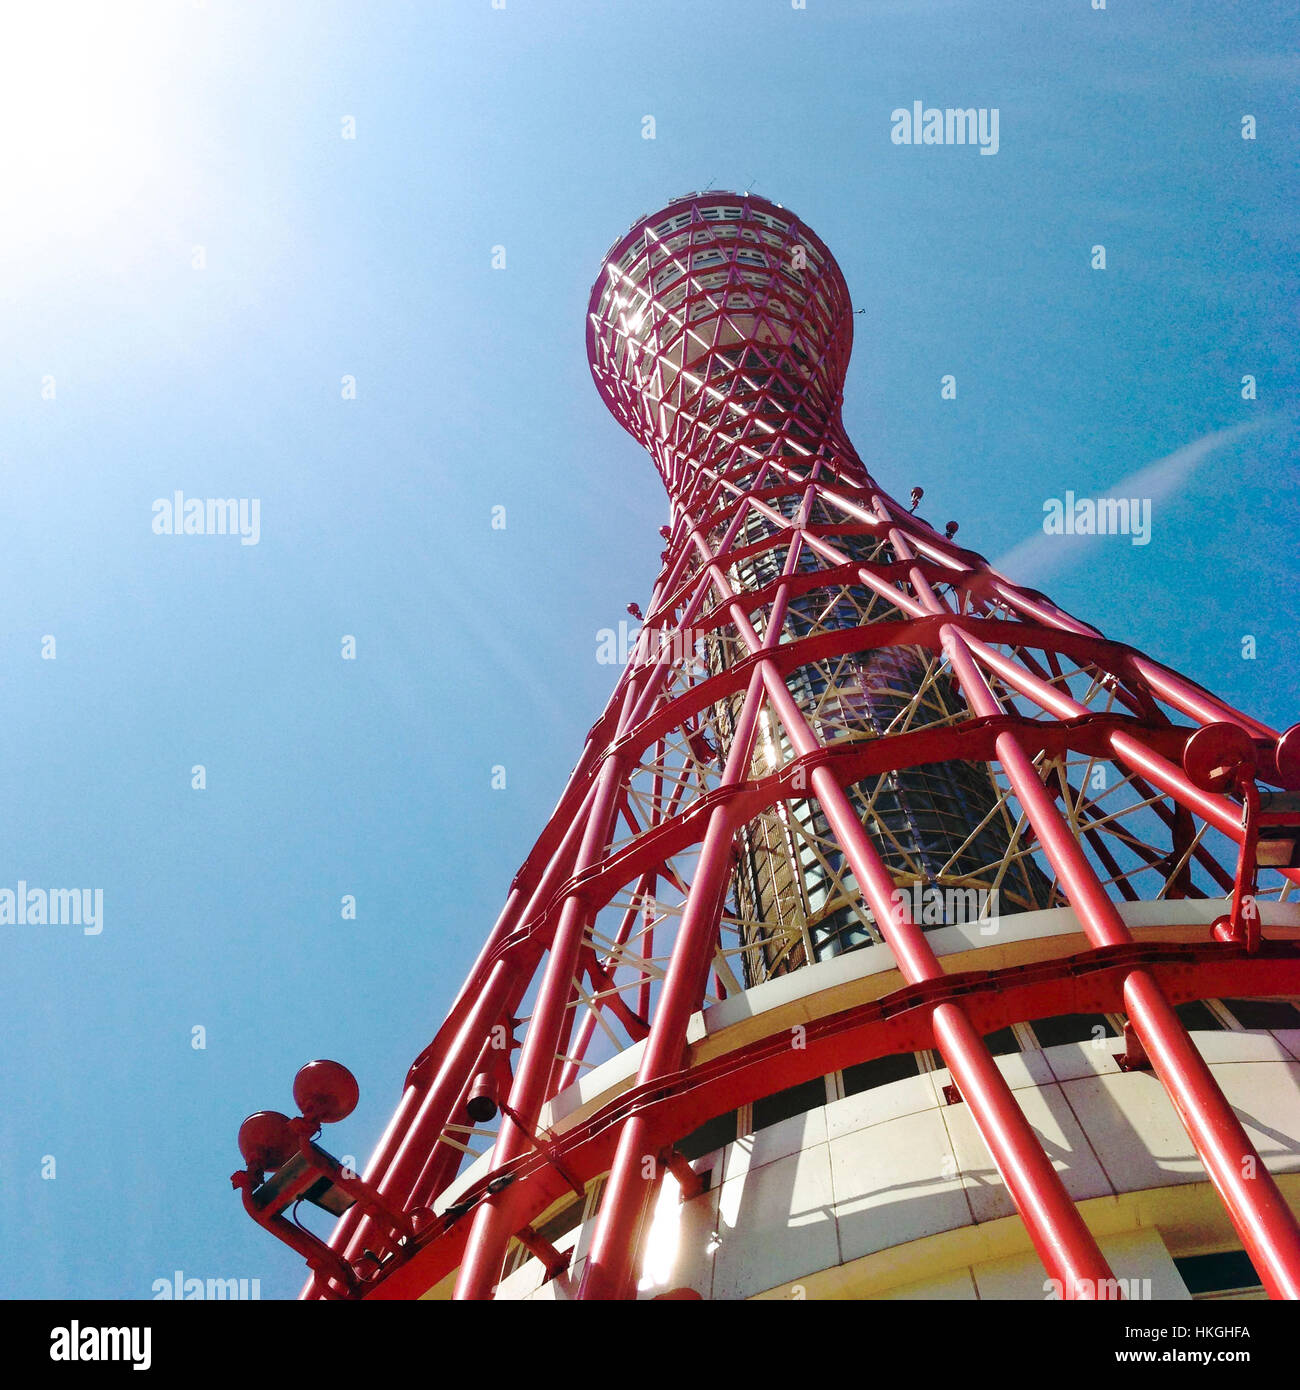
<point x="1071" y="1028"/>
<point x="1226" y="1275"/>
<point x="1002" y="1043"/>
<point x="1264" y="1013"/>
<point x="716" y="1133"/>
<point x="1198" y="1015"/>
<point x="771" y="1110"/>
<point x="880" y="1071"/>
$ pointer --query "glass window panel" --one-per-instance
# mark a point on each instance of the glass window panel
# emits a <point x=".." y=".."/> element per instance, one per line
<point x="771" y="1110"/>
<point x="880" y="1071"/>
<point x="1264" y="1013"/>
<point x="1068" y="1028"/>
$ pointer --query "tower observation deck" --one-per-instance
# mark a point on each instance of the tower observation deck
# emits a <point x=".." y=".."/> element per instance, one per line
<point x="879" y="887"/>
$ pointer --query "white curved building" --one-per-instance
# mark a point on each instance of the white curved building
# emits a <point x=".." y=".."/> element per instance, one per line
<point x="873" y="1184"/>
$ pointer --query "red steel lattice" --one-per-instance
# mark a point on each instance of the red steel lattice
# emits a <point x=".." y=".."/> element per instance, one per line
<point x="828" y="700"/>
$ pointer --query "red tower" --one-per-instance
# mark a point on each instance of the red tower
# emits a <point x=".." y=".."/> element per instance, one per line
<point x="834" y="719"/>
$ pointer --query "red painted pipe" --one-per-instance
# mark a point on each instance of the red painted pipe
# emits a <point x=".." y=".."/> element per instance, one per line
<point x="490" y="1233"/>
<point x="1255" y="1205"/>
<point x="609" y="1271"/>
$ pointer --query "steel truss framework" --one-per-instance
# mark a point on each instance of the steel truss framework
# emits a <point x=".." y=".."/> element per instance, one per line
<point x="812" y="653"/>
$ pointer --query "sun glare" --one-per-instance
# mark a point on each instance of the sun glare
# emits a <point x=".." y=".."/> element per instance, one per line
<point x="80" y="95"/>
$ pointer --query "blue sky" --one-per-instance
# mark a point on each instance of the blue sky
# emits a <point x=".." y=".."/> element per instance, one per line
<point x="137" y="134"/>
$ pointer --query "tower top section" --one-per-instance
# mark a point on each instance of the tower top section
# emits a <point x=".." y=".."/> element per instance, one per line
<point x="721" y="324"/>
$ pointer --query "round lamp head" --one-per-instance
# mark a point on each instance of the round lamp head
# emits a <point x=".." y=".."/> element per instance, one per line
<point x="266" y="1141"/>
<point x="325" y="1092"/>
<point x="1216" y="754"/>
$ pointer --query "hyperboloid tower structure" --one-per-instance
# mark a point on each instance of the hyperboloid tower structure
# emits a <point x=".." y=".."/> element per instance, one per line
<point x="860" y="953"/>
